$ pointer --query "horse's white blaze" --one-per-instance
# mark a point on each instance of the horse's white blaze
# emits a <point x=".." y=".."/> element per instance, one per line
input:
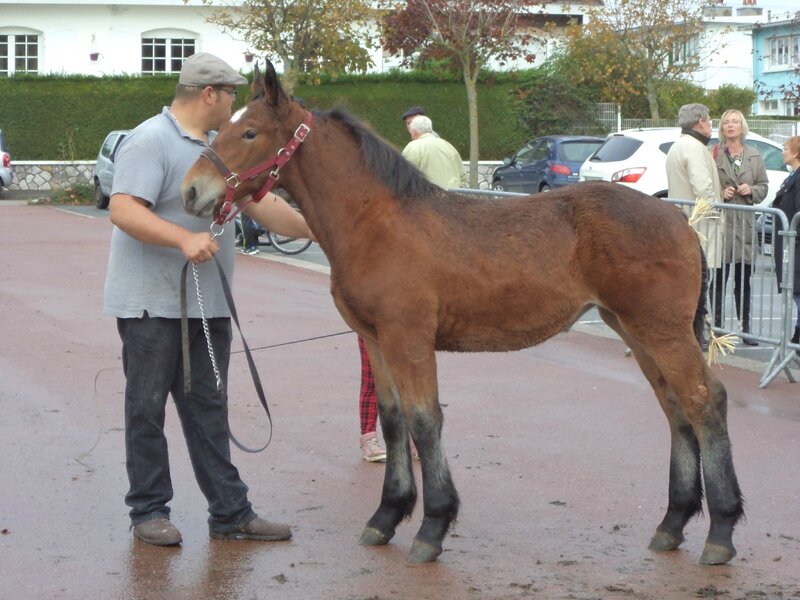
<point x="238" y="114"/>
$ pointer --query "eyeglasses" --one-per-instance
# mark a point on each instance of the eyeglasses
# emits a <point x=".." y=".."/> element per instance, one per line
<point x="231" y="91"/>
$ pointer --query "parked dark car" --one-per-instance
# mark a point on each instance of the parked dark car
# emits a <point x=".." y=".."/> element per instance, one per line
<point x="104" y="167"/>
<point x="544" y="163"/>
<point x="5" y="162"/>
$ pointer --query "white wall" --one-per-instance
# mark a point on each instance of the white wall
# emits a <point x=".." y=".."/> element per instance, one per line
<point x="70" y="32"/>
<point x="728" y="48"/>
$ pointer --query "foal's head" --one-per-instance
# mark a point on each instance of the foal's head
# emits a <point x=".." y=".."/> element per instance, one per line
<point x="254" y="133"/>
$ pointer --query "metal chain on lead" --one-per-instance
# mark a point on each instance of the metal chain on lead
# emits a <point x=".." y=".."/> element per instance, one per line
<point x="211" y="354"/>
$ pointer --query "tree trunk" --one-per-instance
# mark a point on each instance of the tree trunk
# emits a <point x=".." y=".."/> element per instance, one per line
<point x="652" y="100"/>
<point x="289" y="76"/>
<point x="472" y="107"/>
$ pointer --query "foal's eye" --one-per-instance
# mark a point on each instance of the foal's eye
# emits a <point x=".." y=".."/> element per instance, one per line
<point x="250" y="134"/>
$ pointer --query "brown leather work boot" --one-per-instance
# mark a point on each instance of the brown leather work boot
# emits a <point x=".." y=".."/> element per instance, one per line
<point x="257" y="529"/>
<point x="158" y="532"/>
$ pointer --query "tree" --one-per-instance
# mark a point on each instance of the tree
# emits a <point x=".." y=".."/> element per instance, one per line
<point x="546" y="103"/>
<point x="628" y="47"/>
<point x="309" y="36"/>
<point x="468" y="32"/>
<point x="730" y="96"/>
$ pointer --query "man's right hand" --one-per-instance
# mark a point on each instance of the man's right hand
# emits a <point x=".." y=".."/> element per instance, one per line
<point x="134" y="217"/>
<point x="199" y="247"/>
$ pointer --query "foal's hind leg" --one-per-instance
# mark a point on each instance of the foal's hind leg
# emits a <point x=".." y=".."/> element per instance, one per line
<point x="399" y="493"/>
<point x="685" y="488"/>
<point x="411" y="368"/>
<point x="704" y="401"/>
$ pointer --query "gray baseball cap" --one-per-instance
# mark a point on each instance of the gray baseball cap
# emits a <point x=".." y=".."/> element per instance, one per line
<point x="206" y="69"/>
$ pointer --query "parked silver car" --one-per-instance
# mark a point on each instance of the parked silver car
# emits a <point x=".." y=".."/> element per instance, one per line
<point x="104" y="168"/>
<point x="5" y="163"/>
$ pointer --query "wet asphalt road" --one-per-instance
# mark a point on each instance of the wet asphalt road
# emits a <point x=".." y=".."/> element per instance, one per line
<point x="560" y="455"/>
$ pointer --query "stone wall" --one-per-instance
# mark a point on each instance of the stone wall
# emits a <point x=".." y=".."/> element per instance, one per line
<point x="49" y="175"/>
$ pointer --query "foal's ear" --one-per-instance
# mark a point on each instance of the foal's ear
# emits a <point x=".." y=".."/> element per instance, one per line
<point x="272" y="86"/>
<point x="257" y="87"/>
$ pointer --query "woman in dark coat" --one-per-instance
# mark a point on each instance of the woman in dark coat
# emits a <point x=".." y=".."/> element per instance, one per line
<point x="788" y="200"/>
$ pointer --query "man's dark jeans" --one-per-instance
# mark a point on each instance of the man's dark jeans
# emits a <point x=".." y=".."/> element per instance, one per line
<point x="152" y="362"/>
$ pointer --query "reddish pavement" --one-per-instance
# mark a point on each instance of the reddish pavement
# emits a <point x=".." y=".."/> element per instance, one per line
<point x="560" y="454"/>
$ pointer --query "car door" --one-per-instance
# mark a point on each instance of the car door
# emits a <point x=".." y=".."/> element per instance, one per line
<point x="512" y="174"/>
<point x="535" y="173"/>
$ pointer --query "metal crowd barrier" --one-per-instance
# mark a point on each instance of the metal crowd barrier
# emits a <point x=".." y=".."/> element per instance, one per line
<point x="739" y="241"/>
<point x="745" y="297"/>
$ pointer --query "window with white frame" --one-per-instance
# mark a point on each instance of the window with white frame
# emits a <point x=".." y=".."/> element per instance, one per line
<point x="686" y="52"/>
<point x="164" y="52"/>
<point x="19" y="53"/>
<point x="784" y="51"/>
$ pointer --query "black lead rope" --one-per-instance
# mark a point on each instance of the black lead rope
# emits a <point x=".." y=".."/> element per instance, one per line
<point x="187" y="375"/>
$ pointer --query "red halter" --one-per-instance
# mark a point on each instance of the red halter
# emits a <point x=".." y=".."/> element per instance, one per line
<point x="232" y="180"/>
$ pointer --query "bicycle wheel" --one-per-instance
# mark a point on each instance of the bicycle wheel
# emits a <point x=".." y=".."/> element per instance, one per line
<point x="287" y="245"/>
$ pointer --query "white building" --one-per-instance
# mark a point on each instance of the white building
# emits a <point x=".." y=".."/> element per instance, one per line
<point x="146" y="36"/>
<point x="94" y="38"/>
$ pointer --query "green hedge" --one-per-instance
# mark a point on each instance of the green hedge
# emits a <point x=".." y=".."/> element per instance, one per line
<point x="67" y="117"/>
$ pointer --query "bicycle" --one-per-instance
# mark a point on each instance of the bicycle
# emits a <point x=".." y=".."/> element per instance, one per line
<point x="287" y="245"/>
<point x="283" y="244"/>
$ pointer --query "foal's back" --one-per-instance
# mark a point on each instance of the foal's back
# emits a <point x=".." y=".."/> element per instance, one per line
<point x="510" y="273"/>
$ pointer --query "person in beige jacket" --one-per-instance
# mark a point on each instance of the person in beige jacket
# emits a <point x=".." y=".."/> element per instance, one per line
<point x="692" y="175"/>
<point x="438" y="160"/>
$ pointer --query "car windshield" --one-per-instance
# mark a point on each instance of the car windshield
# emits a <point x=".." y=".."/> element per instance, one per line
<point x="577" y="151"/>
<point x="773" y="157"/>
<point x="616" y="148"/>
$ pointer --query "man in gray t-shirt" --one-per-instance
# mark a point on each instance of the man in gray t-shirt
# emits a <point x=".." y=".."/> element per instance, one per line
<point x="152" y="239"/>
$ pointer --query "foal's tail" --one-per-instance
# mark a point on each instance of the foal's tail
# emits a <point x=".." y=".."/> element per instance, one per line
<point x="702" y="309"/>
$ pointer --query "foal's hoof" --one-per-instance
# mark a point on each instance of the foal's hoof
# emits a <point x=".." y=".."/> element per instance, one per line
<point x="665" y="542"/>
<point x="422" y="552"/>
<point x="714" y="554"/>
<point x="372" y="537"/>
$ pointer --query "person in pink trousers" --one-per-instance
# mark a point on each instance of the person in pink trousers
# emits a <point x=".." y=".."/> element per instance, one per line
<point x="371" y="448"/>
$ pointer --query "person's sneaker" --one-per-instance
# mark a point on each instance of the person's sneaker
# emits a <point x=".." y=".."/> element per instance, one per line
<point x="250" y="251"/>
<point x="257" y="529"/>
<point x="158" y="532"/>
<point x="371" y="449"/>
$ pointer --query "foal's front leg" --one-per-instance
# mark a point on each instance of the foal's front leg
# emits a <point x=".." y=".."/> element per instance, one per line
<point x="399" y="493"/>
<point x="410" y="368"/>
<point x="440" y="498"/>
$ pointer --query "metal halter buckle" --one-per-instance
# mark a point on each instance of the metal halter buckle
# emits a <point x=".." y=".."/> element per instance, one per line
<point x="301" y="132"/>
<point x="232" y="180"/>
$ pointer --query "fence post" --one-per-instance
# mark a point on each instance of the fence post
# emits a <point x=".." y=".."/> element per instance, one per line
<point x="619" y="117"/>
<point x="783" y="355"/>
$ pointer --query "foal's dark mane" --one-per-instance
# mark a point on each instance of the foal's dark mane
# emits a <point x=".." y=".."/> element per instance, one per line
<point x="400" y="176"/>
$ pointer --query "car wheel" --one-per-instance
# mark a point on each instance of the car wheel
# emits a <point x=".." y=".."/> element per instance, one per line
<point x="498" y="187"/>
<point x="544" y="188"/>
<point x="100" y="199"/>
